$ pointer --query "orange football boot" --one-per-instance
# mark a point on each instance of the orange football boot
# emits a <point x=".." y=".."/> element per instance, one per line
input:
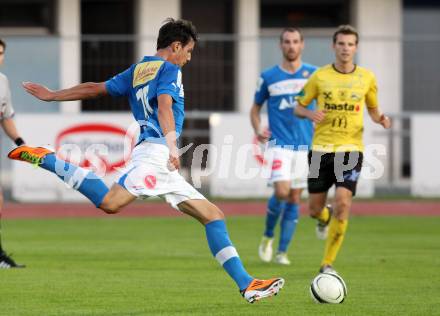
<point x="259" y="289"/>
<point x="33" y="155"/>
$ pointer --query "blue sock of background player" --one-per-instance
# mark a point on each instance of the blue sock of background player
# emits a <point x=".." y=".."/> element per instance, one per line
<point x="288" y="225"/>
<point x="274" y="209"/>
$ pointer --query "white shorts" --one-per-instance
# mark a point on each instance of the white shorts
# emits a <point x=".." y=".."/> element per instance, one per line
<point x="147" y="174"/>
<point x="289" y="165"/>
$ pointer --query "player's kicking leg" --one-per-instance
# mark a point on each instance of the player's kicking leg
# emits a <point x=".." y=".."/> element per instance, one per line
<point x="225" y="253"/>
<point x="80" y="179"/>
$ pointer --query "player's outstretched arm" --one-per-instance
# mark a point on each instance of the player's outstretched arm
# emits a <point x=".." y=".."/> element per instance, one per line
<point x="378" y="117"/>
<point x="83" y="91"/>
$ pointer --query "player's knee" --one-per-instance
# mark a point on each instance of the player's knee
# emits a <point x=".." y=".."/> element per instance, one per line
<point x="110" y="208"/>
<point x="342" y="208"/>
<point x="282" y="193"/>
<point x="294" y="198"/>
<point x="214" y="214"/>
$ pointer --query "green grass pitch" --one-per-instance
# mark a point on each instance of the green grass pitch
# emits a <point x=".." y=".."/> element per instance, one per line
<point x="162" y="266"/>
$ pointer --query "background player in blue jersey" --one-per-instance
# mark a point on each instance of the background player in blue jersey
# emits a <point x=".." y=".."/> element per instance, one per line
<point x="155" y="93"/>
<point x="290" y="137"/>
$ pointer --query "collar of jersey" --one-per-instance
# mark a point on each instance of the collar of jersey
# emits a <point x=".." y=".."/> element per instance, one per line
<point x="344" y="73"/>
<point x="290" y="73"/>
<point x="152" y="58"/>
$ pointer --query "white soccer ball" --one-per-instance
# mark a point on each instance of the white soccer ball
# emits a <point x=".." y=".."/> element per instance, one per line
<point x="328" y="288"/>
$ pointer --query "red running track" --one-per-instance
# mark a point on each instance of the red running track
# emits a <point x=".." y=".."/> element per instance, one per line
<point x="158" y="209"/>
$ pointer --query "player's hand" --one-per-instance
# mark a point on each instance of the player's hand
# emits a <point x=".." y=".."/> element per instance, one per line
<point x="263" y="136"/>
<point x="317" y="116"/>
<point x="39" y="91"/>
<point x="385" y="121"/>
<point x="174" y="161"/>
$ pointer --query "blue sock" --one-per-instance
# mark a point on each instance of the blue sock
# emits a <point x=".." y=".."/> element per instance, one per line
<point x="288" y="225"/>
<point x="225" y="253"/>
<point x="274" y="208"/>
<point x="80" y="179"/>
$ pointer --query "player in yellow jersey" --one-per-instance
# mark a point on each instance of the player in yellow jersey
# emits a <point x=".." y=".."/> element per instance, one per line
<point x="341" y="89"/>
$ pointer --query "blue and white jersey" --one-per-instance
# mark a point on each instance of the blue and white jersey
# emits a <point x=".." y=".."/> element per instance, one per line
<point x="142" y="83"/>
<point x="279" y="88"/>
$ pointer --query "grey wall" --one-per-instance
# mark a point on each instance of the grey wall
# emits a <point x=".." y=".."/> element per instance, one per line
<point x="31" y="59"/>
<point x="317" y="51"/>
<point x="28" y="59"/>
<point x="421" y="65"/>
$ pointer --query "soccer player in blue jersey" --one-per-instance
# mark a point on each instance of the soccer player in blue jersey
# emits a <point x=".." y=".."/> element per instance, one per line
<point x="290" y="138"/>
<point x="154" y="90"/>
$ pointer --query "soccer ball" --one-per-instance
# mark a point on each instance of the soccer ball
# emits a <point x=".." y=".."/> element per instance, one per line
<point x="328" y="288"/>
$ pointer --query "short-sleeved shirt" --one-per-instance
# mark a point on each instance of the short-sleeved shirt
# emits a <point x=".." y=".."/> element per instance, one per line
<point x="6" y="109"/>
<point x="342" y="97"/>
<point x="142" y="83"/>
<point x="279" y="88"/>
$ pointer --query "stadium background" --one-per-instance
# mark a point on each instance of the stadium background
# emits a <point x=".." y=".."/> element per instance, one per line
<point x="61" y="43"/>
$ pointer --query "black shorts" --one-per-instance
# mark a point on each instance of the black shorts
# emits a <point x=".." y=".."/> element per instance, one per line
<point x="341" y="168"/>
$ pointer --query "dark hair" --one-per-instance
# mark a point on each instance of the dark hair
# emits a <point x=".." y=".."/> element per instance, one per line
<point x="346" y="30"/>
<point x="291" y="29"/>
<point x="2" y="43"/>
<point x="176" y="30"/>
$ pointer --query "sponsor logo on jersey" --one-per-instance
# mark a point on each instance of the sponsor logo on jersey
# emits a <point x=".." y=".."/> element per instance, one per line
<point x="288" y="103"/>
<point x="305" y="73"/>
<point x="100" y="146"/>
<point x="342" y="94"/>
<point x="289" y="86"/>
<point x="145" y="72"/>
<point x="150" y="181"/>
<point x="355" y="97"/>
<point x="340" y="121"/>
<point x="342" y="107"/>
<point x="327" y="95"/>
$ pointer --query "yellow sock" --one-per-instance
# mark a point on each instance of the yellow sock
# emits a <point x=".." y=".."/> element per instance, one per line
<point x="335" y="237"/>
<point x="324" y="215"/>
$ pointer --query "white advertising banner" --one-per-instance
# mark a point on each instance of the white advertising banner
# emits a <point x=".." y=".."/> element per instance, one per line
<point x="425" y="173"/>
<point x="96" y="141"/>
<point x="240" y="168"/>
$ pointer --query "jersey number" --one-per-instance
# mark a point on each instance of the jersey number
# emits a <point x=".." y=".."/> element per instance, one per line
<point x="142" y="95"/>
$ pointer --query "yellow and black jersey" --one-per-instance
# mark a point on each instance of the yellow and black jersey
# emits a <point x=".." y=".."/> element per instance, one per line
<point x="342" y="97"/>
